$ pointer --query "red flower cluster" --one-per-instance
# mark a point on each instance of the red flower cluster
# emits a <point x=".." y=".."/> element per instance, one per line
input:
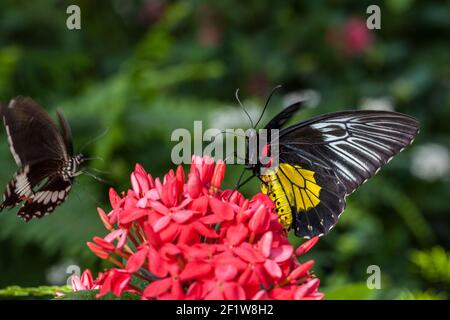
<point x="190" y="240"/>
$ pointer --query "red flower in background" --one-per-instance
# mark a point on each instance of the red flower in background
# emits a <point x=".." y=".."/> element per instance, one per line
<point x="353" y="38"/>
<point x="190" y="240"/>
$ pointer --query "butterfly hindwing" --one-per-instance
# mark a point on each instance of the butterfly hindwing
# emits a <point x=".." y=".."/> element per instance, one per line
<point x="45" y="199"/>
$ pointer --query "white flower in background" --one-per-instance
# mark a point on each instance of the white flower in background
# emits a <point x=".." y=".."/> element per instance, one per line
<point x="311" y="97"/>
<point x="60" y="272"/>
<point x="234" y="117"/>
<point x="380" y="104"/>
<point x="431" y="161"/>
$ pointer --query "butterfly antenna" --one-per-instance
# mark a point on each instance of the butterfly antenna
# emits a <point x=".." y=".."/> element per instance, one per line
<point x="225" y="132"/>
<point x="94" y="158"/>
<point x="242" y="106"/>
<point x="90" y="174"/>
<point x="100" y="171"/>
<point x="267" y="103"/>
<point x="89" y="142"/>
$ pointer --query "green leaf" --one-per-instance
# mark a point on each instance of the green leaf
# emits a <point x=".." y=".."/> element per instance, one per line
<point x="90" y="295"/>
<point x="16" y="291"/>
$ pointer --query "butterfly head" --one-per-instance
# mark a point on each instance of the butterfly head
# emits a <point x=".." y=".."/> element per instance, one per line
<point x="74" y="164"/>
<point x="79" y="159"/>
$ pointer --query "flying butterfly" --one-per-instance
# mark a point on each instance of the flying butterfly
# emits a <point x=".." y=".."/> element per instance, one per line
<point x="324" y="159"/>
<point x="44" y="154"/>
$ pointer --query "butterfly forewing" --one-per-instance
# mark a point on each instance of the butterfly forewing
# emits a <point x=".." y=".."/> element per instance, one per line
<point x="31" y="133"/>
<point x="355" y="144"/>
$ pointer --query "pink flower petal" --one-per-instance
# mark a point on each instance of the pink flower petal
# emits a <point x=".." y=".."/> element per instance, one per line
<point x="188" y="235"/>
<point x="195" y="291"/>
<point x="200" y="205"/>
<point x="135" y="184"/>
<point x="155" y="264"/>
<point x="225" y="272"/>
<point x="153" y="238"/>
<point x="273" y="269"/>
<point x="195" y="270"/>
<point x="182" y="216"/>
<point x="233" y="291"/>
<point x="182" y="205"/>
<point x="215" y="294"/>
<point x="248" y="254"/>
<point x="265" y="243"/>
<point x="205" y="231"/>
<point x="221" y="209"/>
<point x="136" y="260"/>
<point x="306" y="289"/>
<point x="159" y="207"/>
<point x="122" y="239"/>
<point x="142" y="203"/>
<point x="261" y="295"/>
<point x="282" y="253"/>
<point x="152" y="194"/>
<point x="237" y="233"/>
<point x="130" y="215"/>
<point x="161" y="223"/>
<point x="157" y="287"/>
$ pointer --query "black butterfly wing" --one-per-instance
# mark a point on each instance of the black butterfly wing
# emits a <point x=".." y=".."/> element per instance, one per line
<point x="46" y="199"/>
<point x="32" y="135"/>
<point x="66" y="132"/>
<point x="20" y="188"/>
<point x="41" y="151"/>
<point x="353" y="144"/>
<point x="287" y="113"/>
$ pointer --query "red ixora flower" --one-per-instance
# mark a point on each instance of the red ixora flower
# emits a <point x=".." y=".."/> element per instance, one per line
<point x="188" y="239"/>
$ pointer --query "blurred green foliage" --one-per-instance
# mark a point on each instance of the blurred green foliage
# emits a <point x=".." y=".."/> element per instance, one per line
<point x="137" y="70"/>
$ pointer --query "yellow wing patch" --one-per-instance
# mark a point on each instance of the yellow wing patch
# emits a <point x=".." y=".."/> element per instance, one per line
<point x="291" y="187"/>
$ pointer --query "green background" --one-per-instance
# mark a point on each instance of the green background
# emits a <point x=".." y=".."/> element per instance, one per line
<point x="140" y="69"/>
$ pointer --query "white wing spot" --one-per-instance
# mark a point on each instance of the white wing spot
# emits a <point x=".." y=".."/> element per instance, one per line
<point x="48" y="196"/>
<point x="55" y="196"/>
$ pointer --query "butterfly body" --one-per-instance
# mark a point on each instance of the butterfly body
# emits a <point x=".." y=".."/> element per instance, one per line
<point x="322" y="160"/>
<point x="44" y="154"/>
